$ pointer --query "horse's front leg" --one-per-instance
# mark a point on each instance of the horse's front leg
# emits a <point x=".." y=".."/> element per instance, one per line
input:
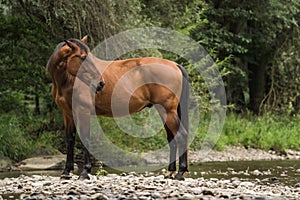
<point x="84" y="126"/>
<point x="70" y="142"/>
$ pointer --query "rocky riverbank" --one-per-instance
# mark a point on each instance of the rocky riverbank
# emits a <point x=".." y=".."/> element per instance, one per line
<point x="236" y="153"/>
<point x="134" y="186"/>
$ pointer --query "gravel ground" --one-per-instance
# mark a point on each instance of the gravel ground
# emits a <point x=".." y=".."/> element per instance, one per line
<point x="134" y="186"/>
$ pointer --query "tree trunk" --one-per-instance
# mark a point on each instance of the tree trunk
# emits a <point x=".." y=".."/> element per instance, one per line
<point x="257" y="84"/>
<point x="37" y="105"/>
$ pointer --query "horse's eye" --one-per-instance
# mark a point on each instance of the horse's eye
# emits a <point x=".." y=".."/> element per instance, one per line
<point x="83" y="58"/>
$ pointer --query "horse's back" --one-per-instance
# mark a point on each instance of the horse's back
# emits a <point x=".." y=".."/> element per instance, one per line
<point x="135" y="83"/>
<point x="136" y="72"/>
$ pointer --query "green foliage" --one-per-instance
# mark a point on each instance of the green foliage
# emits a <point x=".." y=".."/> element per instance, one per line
<point x="101" y="171"/>
<point x="130" y="142"/>
<point x="263" y="132"/>
<point x="241" y="37"/>
<point x="237" y="35"/>
<point x="284" y="92"/>
<point x="252" y="32"/>
<point x="24" y="50"/>
<point x="14" y="143"/>
<point x="21" y="133"/>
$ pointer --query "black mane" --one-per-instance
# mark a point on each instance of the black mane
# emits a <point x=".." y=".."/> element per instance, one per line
<point x="81" y="45"/>
<point x="58" y="47"/>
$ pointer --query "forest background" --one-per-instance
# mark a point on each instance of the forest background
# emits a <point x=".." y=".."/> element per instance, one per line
<point x="255" y="44"/>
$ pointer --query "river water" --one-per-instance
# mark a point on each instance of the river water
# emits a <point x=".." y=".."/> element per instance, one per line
<point x="286" y="172"/>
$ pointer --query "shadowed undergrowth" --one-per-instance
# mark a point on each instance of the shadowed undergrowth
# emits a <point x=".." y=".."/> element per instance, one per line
<point x="19" y="136"/>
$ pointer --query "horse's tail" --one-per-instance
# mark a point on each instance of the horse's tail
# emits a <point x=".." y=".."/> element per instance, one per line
<point x="182" y="109"/>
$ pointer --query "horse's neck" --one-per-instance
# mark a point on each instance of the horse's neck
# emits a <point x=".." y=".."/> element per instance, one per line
<point x="62" y="77"/>
<point x="102" y="64"/>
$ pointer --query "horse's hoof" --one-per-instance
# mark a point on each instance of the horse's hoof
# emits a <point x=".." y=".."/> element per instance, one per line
<point x="180" y="176"/>
<point x="84" y="177"/>
<point x="65" y="176"/>
<point x="169" y="175"/>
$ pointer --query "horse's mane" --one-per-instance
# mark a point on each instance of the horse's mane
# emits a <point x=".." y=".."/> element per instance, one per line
<point x="58" y="47"/>
<point x="81" y="45"/>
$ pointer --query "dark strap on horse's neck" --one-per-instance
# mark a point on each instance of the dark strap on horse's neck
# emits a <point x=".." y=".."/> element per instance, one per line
<point x="100" y="86"/>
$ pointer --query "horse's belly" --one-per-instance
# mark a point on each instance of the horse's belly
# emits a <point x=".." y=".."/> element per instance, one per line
<point x="120" y="107"/>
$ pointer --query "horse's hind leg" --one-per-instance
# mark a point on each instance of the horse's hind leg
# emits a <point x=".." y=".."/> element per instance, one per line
<point x="173" y="151"/>
<point x="182" y="142"/>
<point x="177" y="137"/>
<point x="181" y="139"/>
<point x="170" y="120"/>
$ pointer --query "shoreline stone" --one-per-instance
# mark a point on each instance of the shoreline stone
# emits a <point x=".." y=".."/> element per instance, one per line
<point x="237" y="153"/>
<point x="5" y="164"/>
<point x="53" y="162"/>
<point x="230" y="153"/>
<point x="141" y="187"/>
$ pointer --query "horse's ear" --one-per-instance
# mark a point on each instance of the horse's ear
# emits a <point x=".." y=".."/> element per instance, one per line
<point x="70" y="44"/>
<point x="84" y="39"/>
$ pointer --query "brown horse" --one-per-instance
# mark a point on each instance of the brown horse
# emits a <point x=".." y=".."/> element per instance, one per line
<point x="145" y="82"/>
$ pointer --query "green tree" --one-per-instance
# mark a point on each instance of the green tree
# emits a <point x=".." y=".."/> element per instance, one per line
<point x="273" y="23"/>
<point x="24" y="49"/>
<point x="31" y="29"/>
<point x="251" y="31"/>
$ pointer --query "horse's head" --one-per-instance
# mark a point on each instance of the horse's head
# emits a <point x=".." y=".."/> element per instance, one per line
<point x="73" y="57"/>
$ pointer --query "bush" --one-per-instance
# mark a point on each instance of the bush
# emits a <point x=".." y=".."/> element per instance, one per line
<point x="251" y="131"/>
<point x="21" y="133"/>
<point x="14" y="143"/>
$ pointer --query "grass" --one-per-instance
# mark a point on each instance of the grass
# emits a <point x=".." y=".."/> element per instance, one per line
<point x="21" y="133"/>
<point x="131" y="142"/>
<point x="14" y="143"/>
<point x="263" y="132"/>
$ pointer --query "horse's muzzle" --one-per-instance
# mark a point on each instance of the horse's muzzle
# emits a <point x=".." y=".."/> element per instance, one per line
<point x="98" y="87"/>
